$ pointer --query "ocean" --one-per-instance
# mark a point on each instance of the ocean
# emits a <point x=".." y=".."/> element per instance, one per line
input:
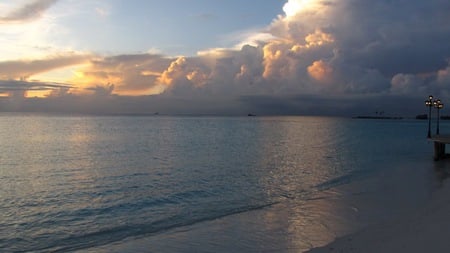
<point x="204" y="184"/>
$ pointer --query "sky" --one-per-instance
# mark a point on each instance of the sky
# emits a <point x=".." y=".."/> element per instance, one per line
<point x="271" y="57"/>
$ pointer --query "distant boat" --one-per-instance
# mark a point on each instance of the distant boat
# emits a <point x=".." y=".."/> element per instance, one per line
<point x="251" y="115"/>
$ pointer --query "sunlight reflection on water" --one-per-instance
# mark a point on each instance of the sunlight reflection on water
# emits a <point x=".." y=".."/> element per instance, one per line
<point x="258" y="183"/>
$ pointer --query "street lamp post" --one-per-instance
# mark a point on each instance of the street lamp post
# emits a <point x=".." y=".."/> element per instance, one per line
<point x="438" y="105"/>
<point x="429" y="103"/>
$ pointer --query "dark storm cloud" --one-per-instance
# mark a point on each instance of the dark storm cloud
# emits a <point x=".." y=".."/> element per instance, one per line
<point x="14" y="85"/>
<point x="30" y="11"/>
<point x="394" y="36"/>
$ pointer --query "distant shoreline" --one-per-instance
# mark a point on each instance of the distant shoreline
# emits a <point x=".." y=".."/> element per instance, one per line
<point x="376" y="117"/>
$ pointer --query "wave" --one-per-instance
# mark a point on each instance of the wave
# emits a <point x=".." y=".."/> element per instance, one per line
<point x="344" y="179"/>
<point x="124" y="231"/>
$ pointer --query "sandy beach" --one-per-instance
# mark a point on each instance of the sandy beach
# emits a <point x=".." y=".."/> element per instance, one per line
<point x="404" y="210"/>
<point x="424" y="230"/>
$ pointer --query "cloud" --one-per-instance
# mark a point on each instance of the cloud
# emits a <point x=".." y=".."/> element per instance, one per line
<point x="25" y="68"/>
<point x="406" y="84"/>
<point x="133" y="74"/>
<point x="30" y="11"/>
<point x="436" y="82"/>
<point x="336" y="54"/>
<point x="30" y="85"/>
<point x="345" y="47"/>
<point x="18" y="89"/>
<point x="102" y="91"/>
<point x="16" y="76"/>
<point x="321" y="71"/>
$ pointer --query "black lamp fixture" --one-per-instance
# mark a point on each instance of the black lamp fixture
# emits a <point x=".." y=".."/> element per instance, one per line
<point x="429" y="104"/>
<point x="438" y="105"/>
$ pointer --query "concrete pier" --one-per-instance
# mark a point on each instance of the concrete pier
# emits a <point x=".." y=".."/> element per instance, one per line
<point x="439" y="146"/>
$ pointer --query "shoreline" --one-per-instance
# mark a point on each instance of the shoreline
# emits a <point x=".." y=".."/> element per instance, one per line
<point x="347" y="212"/>
<point x="423" y="230"/>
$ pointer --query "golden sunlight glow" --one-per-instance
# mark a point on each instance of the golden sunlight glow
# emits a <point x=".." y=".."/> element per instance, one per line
<point x="150" y="73"/>
<point x="175" y="70"/>
<point x="318" y="38"/>
<point x="321" y="71"/>
<point x="157" y="89"/>
<point x="275" y="65"/>
<point x="151" y="90"/>
<point x="82" y="79"/>
<point x="292" y="7"/>
<point x="59" y="75"/>
<point x="37" y="93"/>
<point x="198" y="78"/>
<point x="214" y="52"/>
<point x="78" y="74"/>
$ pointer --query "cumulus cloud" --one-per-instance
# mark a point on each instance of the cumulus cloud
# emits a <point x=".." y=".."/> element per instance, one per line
<point x="347" y="47"/>
<point x="27" y="12"/>
<point x="436" y="82"/>
<point x="319" y="51"/>
<point x="406" y="84"/>
<point x="321" y="71"/>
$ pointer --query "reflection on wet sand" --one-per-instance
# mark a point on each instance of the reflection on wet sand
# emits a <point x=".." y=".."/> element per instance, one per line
<point x="442" y="170"/>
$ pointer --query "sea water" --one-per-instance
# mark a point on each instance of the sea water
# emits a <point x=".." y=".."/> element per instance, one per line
<point x="85" y="182"/>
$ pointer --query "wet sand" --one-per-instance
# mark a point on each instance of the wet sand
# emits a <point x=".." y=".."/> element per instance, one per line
<point x="425" y="230"/>
<point x="402" y="209"/>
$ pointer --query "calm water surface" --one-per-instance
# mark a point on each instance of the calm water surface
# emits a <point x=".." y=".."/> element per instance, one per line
<point x="74" y="183"/>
